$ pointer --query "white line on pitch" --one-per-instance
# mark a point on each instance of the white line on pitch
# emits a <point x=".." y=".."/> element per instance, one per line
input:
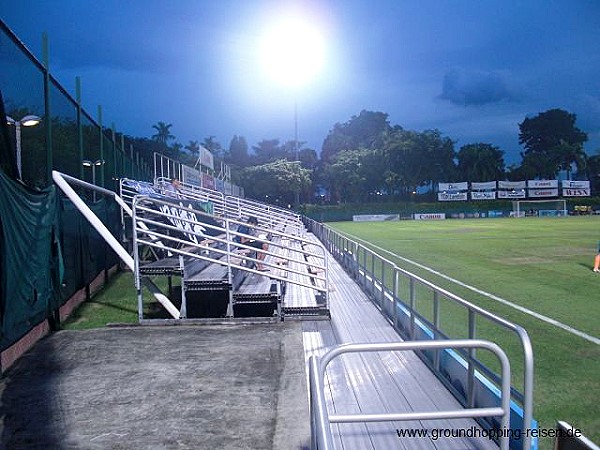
<point x="546" y="319"/>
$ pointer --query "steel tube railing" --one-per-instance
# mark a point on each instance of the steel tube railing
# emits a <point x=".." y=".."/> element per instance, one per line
<point x="322" y="438"/>
<point x="153" y="225"/>
<point x="360" y="257"/>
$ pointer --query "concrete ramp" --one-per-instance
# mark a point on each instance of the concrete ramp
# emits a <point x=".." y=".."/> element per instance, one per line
<point x="237" y="386"/>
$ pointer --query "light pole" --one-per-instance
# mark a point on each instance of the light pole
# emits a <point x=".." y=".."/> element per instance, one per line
<point x="297" y="199"/>
<point x="93" y="164"/>
<point x="27" y="121"/>
<point x="293" y="52"/>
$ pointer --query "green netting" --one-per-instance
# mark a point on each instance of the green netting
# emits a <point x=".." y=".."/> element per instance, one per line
<point x="31" y="262"/>
<point x="67" y="137"/>
<point x="85" y="253"/>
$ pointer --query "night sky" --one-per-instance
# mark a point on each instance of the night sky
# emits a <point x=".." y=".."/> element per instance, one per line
<point x="472" y="69"/>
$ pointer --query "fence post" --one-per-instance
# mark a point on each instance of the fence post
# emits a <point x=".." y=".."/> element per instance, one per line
<point x="79" y="125"/>
<point x="471" y="364"/>
<point x="413" y="305"/>
<point x="47" y="110"/>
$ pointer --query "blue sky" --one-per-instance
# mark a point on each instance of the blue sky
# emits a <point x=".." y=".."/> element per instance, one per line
<point x="472" y="69"/>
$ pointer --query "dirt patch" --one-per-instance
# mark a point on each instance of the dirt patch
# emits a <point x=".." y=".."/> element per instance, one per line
<point x="466" y="230"/>
<point x="522" y="260"/>
<point x="572" y="251"/>
<point x="557" y="252"/>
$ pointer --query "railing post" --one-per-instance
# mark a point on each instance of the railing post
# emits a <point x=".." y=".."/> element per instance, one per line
<point x="320" y="416"/>
<point x="382" y="301"/>
<point x="413" y="305"/>
<point x="395" y="298"/>
<point x="136" y="267"/>
<point x="47" y="109"/>
<point x="183" y="310"/>
<point x="372" y="270"/>
<point x="436" y="327"/>
<point x="471" y="362"/>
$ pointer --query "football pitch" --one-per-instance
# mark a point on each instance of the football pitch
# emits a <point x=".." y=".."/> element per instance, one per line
<point x="535" y="272"/>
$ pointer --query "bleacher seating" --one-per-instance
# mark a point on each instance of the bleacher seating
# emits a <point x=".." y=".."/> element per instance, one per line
<point x="194" y="237"/>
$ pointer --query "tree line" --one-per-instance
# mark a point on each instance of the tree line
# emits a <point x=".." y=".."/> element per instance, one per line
<point x="368" y="159"/>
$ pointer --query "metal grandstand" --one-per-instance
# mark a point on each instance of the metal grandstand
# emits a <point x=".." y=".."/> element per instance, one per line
<point x="366" y="384"/>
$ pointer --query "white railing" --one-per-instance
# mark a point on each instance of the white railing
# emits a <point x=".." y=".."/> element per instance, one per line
<point x="322" y="438"/>
<point x="382" y="280"/>
<point x="62" y="181"/>
<point x="180" y="229"/>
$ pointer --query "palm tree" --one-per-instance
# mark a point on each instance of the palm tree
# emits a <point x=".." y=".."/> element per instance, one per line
<point x="194" y="148"/>
<point x="163" y="132"/>
<point x="569" y="154"/>
<point x="480" y="162"/>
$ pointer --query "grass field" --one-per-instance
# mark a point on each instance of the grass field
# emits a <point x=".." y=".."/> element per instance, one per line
<point x="116" y="303"/>
<point x="542" y="264"/>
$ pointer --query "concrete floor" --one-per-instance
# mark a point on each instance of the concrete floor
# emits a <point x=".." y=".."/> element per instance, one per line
<point x="165" y="387"/>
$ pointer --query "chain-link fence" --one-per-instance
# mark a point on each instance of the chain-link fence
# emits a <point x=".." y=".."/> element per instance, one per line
<point x="66" y="137"/>
<point x="48" y="253"/>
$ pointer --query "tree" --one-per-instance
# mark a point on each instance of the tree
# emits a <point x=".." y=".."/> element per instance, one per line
<point x="238" y="152"/>
<point x="416" y="159"/>
<point x="268" y="150"/>
<point x="438" y="157"/>
<point x="593" y="173"/>
<point x="163" y="133"/>
<point x="308" y="158"/>
<point x="569" y="155"/>
<point x="175" y="151"/>
<point x="211" y="144"/>
<point x="278" y="180"/>
<point x="404" y="170"/>
<point x="345" y="176"/>
<point x="480" y="162"/>
<point x="367" y="130"/>
<point x="552" y="142"/>
<point x="146" y="148"/>
<point x="194" y="148"/>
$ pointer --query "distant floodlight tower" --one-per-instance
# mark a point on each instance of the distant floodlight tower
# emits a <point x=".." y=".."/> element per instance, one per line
<point x="292" y="54"/>
<point x="27" y="121"/>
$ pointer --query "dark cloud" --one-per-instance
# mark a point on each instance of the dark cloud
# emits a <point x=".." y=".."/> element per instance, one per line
<point x="475" y="88"/>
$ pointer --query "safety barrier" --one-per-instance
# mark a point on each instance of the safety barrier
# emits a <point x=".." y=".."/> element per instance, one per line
<point x="382" y="280"/>
<point x="322" y="438"/>
<point x="176" y="227"/>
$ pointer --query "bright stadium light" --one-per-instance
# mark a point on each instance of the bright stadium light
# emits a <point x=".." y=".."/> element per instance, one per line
<point x="292" y="52"/>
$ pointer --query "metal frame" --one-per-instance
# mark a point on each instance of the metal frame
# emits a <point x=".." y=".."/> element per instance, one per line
<point x="150" y="231"/>
<point x="192" y="191"/>
<point x="363" y="264"/>
<point x="244" y="208"/>
<point x="236" y="207"/>
<point x="62" y="181"/>
<point x="321" y="431"/>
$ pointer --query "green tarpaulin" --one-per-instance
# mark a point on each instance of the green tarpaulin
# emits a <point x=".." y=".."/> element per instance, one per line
<point x="30" y="258"/>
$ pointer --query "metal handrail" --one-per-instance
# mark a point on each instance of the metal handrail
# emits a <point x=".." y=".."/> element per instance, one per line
<point x="149" y="231"/>
<point x="194" y="192"/>
<point x="62" y="181"/>
<point x="322" y="438"/>
<point x="332" y="240"/>
<point x="236" y="207"/>
<point x="243" y="208"/>
<point x="228" y="224"/>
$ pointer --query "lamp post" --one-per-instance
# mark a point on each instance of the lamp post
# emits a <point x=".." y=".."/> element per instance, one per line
<point x="293" y="52"/>
<point x="27" y="121"/>
<point x="93" y="164"/>
<point x="297" y="198"/>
